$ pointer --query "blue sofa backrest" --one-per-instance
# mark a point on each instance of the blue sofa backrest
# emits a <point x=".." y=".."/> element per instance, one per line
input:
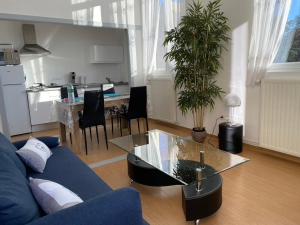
<point x="6" y="147"/>
<point x="17" y="204"/>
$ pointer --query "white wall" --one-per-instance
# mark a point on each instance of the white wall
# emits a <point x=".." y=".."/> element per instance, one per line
<point x="70" y="47"/>
<point x="234" y="66"/>
<point x="101" y="13"/>
<point x="105" y="13"/>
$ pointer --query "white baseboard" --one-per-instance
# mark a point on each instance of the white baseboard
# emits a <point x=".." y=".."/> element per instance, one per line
<point x="251" y="142"/>
<point x="42" y="127"/>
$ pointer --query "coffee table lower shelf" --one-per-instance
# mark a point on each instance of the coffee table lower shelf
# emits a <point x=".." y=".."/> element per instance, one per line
<point x="196" y="204"/>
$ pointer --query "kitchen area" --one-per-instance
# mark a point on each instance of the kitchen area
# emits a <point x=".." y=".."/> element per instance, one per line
<point x="37" y="59"/>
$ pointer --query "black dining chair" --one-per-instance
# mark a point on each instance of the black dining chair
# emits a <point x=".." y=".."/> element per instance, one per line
<point x="63" y="95"/>
<point x="137" y="108"/>
<point x="93" y="114"/>
<point x="113" y="111"/>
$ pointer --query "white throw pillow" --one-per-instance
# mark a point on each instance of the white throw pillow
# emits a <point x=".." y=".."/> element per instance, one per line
<point x="52" y="196"/>
<point x="35" y="154"/>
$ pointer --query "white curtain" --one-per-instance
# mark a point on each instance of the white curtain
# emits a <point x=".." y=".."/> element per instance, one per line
<point x="270" y="18"/>
<point x="171" y="10"/>
<point x="151" y="13"/>
<point x="174" y="9"/>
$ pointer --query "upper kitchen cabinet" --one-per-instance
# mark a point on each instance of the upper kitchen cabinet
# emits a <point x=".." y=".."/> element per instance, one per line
<point x="106" y="54"/>
<point x="102" y="13"/>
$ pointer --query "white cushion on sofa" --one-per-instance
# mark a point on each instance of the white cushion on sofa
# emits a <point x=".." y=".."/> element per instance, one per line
<point x="35" y="154"/>
<point x="52" y="196"/>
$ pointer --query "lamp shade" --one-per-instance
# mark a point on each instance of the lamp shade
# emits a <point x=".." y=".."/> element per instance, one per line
<point x="232" y="100"/>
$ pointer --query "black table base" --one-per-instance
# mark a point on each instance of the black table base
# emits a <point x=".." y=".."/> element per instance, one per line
<point x="196" y="204"/>
<point x="143" y="173"/>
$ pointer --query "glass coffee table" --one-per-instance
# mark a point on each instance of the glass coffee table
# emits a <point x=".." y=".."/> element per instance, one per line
<point x="158" y="158"/>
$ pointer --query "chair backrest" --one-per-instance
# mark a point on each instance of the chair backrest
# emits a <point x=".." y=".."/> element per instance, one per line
<point x="64" y="92"/>
<point x="93" y="108"/>
<point x="137" y="103"/>
<point x="108" y="89"/>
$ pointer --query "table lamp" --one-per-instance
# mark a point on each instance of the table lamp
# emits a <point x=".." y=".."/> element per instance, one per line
<point x="231" y="133"/>
<point x="232" y="101"/>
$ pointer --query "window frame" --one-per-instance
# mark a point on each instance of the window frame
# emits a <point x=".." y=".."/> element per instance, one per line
<point x="284" y="67"/>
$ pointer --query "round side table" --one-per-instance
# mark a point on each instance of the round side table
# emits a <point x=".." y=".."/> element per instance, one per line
<point x="231" y="137"/>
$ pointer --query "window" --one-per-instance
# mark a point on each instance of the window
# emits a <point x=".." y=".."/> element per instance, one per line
<point x="289" y="50"/>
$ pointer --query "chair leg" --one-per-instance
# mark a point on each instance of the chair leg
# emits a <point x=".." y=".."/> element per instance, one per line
<point x="71" y="137"/>
<point x="105" y="136"/>
<point x="85" y="142"/>
<point x="118" y="121"/>
<point x="112" y="124"/>
<point x="147" y="126"/>
<point x="138" y="121"/>
<point x="91" y="133"/>
<point x="121" y="126"/>
<point x="97" y="134"/>
<point x="129" y="126"/>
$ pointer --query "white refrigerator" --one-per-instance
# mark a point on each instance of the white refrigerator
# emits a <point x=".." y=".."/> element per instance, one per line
<point x="14" y="112"/>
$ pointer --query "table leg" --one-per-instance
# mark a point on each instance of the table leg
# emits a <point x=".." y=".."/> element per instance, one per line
<point x="76" y="139"/>
<point x="62" y="132"/>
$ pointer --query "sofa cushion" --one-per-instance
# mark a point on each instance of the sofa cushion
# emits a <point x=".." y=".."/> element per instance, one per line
<point x="35" y="154"/>
<point x="51" y="196"/>
<point x="67" y="169"/>
<point x="51" y="142"/>
<point x="17" y="204"/>
<point x="8" y="148"/>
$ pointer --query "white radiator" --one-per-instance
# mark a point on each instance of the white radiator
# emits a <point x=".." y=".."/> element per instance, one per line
<point x="280" y="115"/>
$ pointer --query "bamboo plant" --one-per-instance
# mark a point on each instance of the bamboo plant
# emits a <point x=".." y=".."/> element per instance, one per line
<point x="196" y="47"/>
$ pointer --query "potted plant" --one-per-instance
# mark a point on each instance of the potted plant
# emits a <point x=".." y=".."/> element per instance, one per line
<point x="196" y="48"/>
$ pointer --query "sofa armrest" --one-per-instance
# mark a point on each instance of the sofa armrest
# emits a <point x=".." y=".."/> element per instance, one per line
<point x="115" y="208"/>
<point x="51" y="142"/>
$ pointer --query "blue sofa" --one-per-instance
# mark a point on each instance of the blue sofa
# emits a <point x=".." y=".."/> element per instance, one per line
<point x="101" y="206"/>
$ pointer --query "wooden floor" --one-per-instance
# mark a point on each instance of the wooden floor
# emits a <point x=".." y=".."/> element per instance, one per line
<point x="264" y="191"/>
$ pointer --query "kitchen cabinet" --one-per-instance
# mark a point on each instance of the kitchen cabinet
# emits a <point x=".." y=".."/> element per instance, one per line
<point x="42" y="106"/>
<point x="106" y="54"/>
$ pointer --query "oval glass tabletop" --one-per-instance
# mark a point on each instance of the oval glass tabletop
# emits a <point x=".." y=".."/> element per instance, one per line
<point x="178" y="157"/>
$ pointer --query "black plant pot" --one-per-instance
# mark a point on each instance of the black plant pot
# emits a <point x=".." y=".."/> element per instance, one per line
<point x="199" y="135"/>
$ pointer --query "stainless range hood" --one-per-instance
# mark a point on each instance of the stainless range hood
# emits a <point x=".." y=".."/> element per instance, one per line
<point x="30" y="44"/>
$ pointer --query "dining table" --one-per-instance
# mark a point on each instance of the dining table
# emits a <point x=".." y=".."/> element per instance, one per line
<point x="68" y="118"/>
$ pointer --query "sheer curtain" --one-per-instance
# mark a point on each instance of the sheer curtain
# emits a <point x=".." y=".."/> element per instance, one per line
<point x="159" y="16"/>
<point x="174" y="10"/>
<point x="151" y="15"/>
<point x="270" y="18"/>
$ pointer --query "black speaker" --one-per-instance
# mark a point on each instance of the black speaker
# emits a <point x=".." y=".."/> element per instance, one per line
<point x="231" y="137"/>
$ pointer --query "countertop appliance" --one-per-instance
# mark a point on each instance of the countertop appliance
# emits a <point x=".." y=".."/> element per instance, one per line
<point x="13" y="99"/>
<point x="8" y="55"/>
